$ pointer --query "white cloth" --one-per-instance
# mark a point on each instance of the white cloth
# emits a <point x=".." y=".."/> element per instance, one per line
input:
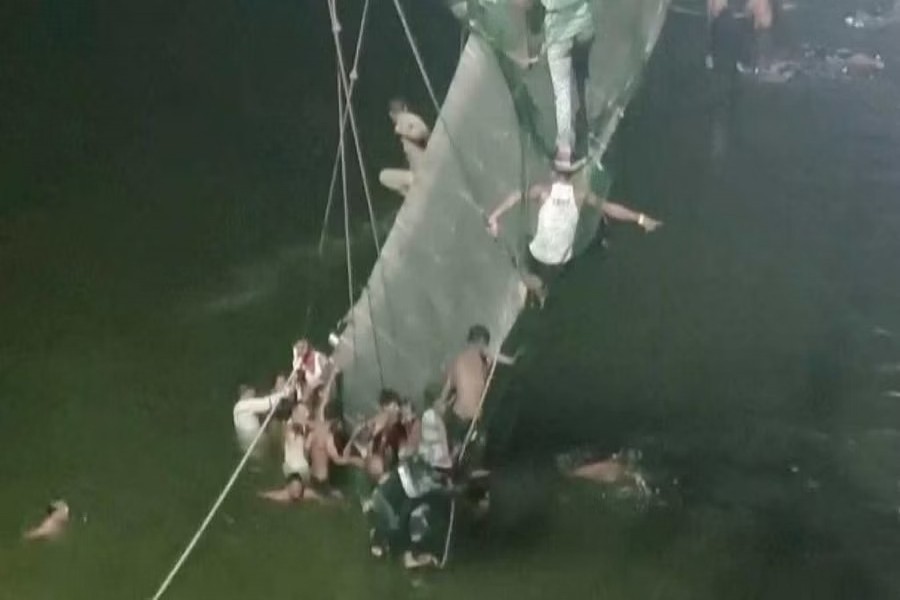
<point x="433" y="446"/>
<point x="556" y="225"/>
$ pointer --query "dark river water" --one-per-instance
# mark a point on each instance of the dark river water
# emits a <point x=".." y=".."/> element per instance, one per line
<point x="163" y="169"/>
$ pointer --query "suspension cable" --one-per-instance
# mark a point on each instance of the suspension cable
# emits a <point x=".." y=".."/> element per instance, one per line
<point x="344" y="194"/>
<point x="332" y="187"/>
<point x="345" y="81"/>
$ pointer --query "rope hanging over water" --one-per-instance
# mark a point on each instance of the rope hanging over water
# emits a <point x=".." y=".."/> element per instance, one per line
<point x="345" y="88"/>
<point x="216" y="505"/>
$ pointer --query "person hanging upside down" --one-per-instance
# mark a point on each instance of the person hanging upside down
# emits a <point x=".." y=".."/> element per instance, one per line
<point x="553" y="241"/>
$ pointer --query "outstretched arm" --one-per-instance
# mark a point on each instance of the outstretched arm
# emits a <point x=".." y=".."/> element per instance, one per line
<point x="448" y="387"/>
<point x="535" y="193"/>
<point x="620" y="212"/>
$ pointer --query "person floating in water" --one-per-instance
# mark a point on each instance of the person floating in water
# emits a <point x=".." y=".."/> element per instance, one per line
<point x="53" y="524"/>
<point x="620" y="469"/>
<point x="553" y="241"/>
<point x="413" y="134"/>
<point x="568" y="33"/>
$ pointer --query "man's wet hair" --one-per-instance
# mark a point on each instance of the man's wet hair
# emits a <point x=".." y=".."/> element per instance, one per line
<point x="397" y="105"/>
<point x="479" y="333"/>
<point x="387" y="396"/>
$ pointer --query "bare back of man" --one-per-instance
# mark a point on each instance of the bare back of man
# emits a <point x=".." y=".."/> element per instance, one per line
<point x="464" y="385"/>
<point x="467" y="377"/>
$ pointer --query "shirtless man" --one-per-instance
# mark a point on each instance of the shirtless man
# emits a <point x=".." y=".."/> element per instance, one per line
<point x="464" y="384"/>
<point x="560" y="208"/>
<point x="54" y="522"/>
<point x="413" y="134"/>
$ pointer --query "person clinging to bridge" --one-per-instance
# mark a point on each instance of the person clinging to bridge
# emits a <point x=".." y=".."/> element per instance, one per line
<point x="465" y="385"/>
<point x="557" y="221"/>
<point x="413" y="134"/>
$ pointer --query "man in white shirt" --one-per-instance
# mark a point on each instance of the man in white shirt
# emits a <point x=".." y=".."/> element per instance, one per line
<point x="560" y="208"/>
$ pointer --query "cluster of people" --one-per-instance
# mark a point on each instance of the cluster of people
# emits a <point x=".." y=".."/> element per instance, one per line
<point x="409" y="469"/>
<point x="405" y="468"/>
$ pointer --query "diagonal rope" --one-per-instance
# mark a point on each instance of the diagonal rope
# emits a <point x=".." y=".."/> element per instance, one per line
<point x="345" y="198"/>
<point x="218" y="503"/>
<point x="332" y="187"/>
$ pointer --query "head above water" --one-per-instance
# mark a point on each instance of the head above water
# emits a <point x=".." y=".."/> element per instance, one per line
<point x="479" y="334"/>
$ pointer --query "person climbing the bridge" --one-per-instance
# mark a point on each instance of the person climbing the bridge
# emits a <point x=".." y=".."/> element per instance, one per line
<point x="413" y="134"/>
<point x="560" y="206"/>
<point x="465" y="383"/>
<point x="568" y="34"/>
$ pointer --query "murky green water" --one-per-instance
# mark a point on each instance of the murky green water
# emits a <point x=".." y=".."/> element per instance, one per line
<point x="162" y="182"/>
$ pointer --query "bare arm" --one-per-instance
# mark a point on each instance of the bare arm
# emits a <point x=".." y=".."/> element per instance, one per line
<point x="326" y="392"/>
<point x="448" y="386"/>
<point x="333" y="455"/>
<point x="620" y="212"/>
<point x="505" y="359"/>
<point x="536" y="194"/>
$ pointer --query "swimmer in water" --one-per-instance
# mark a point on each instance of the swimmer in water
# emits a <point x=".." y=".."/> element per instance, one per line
<point x="54" y="522"/>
